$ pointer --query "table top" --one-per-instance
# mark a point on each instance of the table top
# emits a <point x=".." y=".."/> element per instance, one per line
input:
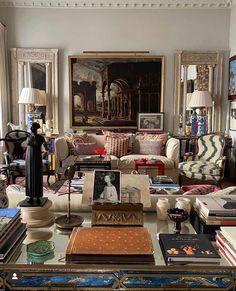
<point x="60" y="239"/>
<point x="93" y="159"/>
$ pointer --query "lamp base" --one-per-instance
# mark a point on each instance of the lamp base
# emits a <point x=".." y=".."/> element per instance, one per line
<point x="202" y="128"/>
<point x="66" y="222"/>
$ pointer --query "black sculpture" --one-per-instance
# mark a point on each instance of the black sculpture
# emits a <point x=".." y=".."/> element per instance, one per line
<point x="34" y="169"/>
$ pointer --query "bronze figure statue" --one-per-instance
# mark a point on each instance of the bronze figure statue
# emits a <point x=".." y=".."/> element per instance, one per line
<point x="34" y="167"/>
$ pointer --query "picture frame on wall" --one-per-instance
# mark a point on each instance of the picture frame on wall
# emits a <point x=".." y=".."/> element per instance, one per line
<point x="151" y="122"/>
<point x="232" y="78"/>
<point x="232" y="119"/>
<point x="107" y="91"/>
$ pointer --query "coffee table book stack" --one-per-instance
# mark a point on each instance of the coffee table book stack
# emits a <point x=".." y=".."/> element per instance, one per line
<point x="184" y="249"/>
<point x="226" y="243"/>
<point x="163" y="184"/>
<point x="12" y="233"/>
<point x="212" y="212"/>
<point x="110" y="245"/>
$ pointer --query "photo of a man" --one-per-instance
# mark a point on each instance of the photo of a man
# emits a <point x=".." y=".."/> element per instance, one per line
<point x="106" y="186"/>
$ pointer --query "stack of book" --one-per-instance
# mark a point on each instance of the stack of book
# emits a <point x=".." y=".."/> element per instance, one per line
<point x="12" y="232"/>
<point x="160" y="183"/>
<point x="183" y="249"/>
<point x="217" y="210"/>
<point x="110" y="245"/>
<point x="226" y="242"/>
<point x="77" y="184"/>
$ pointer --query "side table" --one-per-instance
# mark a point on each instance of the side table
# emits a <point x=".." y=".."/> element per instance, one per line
<point x="151" y="164"/>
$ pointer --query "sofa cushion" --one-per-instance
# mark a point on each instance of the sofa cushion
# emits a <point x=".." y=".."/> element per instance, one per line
<point x="116" y="143"/>
<point x="147" y="147"/>
<point x="86" y="148"/>
<point x="127" y="162"/>
<point x="152" y="136"/>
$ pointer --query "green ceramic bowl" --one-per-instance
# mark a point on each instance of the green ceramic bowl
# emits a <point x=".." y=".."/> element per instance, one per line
<point x="40" y="248"/>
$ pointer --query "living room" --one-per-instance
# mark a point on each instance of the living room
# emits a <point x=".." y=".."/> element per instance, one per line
<point x="156" y="28"/>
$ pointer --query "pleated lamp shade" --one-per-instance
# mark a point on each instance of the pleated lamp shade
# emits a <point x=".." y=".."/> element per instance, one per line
<point x="32" y="96"/>
<point x="200" y="99"/>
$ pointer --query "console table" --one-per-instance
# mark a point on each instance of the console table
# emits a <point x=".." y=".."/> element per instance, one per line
<point x="55" y="274"/>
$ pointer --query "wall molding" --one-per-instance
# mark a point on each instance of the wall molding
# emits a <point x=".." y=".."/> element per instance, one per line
<point x="120" y="4"/>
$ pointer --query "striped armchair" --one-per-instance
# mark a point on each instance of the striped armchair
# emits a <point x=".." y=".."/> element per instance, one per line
<point x="208" y="164"/>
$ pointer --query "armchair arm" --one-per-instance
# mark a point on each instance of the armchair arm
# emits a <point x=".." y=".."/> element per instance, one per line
<point x="221" y="162"/>
<point x="172" y="149"/>
<point x="7" y="158"/>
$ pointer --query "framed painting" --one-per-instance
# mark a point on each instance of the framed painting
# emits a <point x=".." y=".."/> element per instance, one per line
<point x="151" y="122"/>
<point x="107" y="91"/>
<point x="232" y="78"/>
<point x="106" y="186"/>
<point x="232" y="118"/>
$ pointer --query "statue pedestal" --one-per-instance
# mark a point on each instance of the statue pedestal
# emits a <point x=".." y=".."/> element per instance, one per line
<point x="37" y="216"/>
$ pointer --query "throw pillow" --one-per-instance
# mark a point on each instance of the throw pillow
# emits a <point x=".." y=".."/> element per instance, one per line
<point x="153" y="137"/>
<point x="72" y="139"/>
<point x="84" y="148"/>
<point x="117" y="144"/>
<point x="199" y="190"/>
<point x="147" y="147"/>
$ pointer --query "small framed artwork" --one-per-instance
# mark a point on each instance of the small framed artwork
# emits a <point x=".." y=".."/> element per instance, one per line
<point x="232" y="78"/>
<point x="106" y="186"/>
<point x="151" y="122"/>
<point x="232" y="118"/>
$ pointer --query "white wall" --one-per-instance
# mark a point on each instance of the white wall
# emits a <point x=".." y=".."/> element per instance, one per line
<point x="232" y="45"/>
<point x="159" y="31"/>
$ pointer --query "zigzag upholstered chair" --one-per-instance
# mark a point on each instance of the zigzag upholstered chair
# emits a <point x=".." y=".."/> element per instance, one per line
<point x="208" y="164"/>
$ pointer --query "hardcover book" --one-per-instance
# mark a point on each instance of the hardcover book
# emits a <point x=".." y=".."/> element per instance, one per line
<point x="157" y="180"/>
<point x="224" y="206"/>
<point x="187" y="249"/>
<point x="122" y="245"/>
<point x="229" y="232"/>
<point x="7" y="217"/>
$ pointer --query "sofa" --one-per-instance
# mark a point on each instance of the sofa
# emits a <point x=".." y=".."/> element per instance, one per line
<point x="123" y="161"/>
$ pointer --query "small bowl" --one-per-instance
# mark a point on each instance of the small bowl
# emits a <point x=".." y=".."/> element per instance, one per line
<point x="177" y="215"/>
<point x="100" y="152"/>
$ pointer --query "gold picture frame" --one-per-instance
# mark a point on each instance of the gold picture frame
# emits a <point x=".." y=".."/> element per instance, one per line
<point x="107" y="91"/>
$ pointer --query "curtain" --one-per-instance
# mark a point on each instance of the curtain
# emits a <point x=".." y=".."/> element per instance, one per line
<point x="4" y="82"/>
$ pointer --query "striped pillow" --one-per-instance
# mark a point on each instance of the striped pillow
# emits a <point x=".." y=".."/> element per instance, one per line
<point x="117" y="144"/>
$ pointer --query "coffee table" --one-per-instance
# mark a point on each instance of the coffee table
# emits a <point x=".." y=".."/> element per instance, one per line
<point x="93" y="162"/>
<point x="55" y="274"/>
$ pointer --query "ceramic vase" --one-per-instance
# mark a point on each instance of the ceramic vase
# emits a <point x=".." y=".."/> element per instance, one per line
<point x="161" y="207"/>
<point x="3" y="195"/>
<point x="183" y="203"/>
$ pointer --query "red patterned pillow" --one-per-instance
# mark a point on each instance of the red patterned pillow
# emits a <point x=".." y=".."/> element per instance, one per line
<point x="84" y="148"/>
<point x="117" y="144"/>
<point x="147" y="147"/>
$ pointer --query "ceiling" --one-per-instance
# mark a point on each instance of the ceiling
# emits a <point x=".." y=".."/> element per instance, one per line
<point x="120" y="4"/>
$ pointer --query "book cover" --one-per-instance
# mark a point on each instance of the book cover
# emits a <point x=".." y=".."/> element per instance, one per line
<point x="110" y="244"/>
<point x="226" y="244"/>
<point x="156" y="180"/>
<point x="210" y="205"/>
<point x="7" y="217"/>
<point x="187" y="248"/>
<point x="225" y="253"/>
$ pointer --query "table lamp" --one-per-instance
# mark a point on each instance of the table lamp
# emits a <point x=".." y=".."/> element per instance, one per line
<point x="32" y="97"/>
<point x="200" y="100"/>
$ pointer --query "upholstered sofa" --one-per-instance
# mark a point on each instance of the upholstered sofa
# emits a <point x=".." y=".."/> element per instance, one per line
<point x="169" y="155"/>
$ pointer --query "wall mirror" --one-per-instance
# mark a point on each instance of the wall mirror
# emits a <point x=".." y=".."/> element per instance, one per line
<point x="35" y="68"/>
<point x="202" y="71"/>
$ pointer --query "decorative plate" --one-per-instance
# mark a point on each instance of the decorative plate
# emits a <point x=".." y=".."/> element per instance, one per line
<point x="40" y="248"/>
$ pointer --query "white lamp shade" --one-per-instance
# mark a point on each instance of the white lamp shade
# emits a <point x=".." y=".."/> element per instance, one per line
<point x="189" y="95"/>
<point x="200" y="99"/>
<point x="32" y="96"/>
<point x="43" y="98"/>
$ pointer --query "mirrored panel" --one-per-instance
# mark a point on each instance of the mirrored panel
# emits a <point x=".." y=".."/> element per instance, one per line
<point x="198" y="72"/>
<point x="35" y="68"/>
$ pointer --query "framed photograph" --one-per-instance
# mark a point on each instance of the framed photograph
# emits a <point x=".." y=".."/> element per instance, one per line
<point x="232" y="78"/>
<point x="107" y="91"/>
<point x="151" y="122"/>
<point x="106" y="186"/>
<point x="232" y="118"/>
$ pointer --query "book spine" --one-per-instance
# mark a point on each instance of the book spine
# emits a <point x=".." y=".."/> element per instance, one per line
<point x="226" y="254"/>
<point x="226" y="245"/>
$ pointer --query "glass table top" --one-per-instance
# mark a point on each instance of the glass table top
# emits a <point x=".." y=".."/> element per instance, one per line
<point x="60" y="240"/>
